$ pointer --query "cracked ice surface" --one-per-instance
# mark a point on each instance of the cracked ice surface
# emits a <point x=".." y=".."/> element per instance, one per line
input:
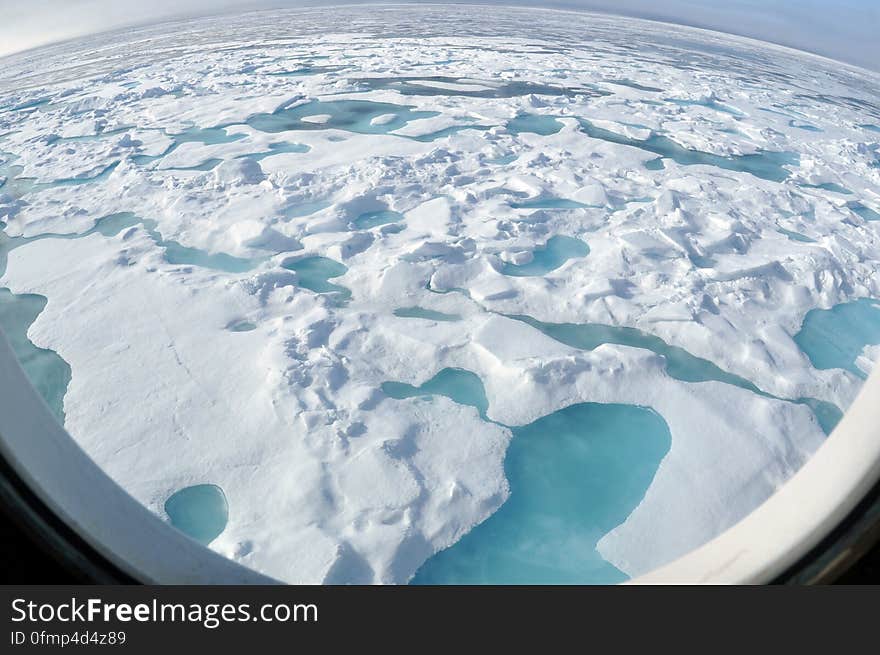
<point x="201" y="351"/>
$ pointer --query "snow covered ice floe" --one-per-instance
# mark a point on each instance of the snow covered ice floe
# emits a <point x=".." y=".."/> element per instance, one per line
<point x="326" y="296"/>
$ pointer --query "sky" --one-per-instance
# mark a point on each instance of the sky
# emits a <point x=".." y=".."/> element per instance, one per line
<point x="846" y="30"/>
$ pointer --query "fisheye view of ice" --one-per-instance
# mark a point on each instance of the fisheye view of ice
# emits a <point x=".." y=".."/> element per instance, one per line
<point x="441" y="294"/>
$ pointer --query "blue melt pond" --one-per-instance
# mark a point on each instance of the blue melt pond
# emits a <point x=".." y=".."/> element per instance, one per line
<point x="369" y="220"/>
<point x="425" y="314"/>
<point x="548" y="203"/>
<point x="350" y="115"/>
<point x="574" y="476"/>
<point x="766" y="165"/>
<point x="241" y="326"/>
<point x="865" y="212"/>
<point x="460" y="386"/>
<point x="277" y="149"/>
<point x="635" y="85"/>
<point x="200" y="511"/>
<point x="314" y="274"/>
<point x="46" y="371"/>
<point x="180" y="255"/>
<point x="209" y="136"/>
<point x="531" y="123"/>
<point x="555" y="253"/>
<point x="305" y="209"/>
<point x="795" y="236"/>
<point x="834" y="338"/>
<point x="20" y="186"/>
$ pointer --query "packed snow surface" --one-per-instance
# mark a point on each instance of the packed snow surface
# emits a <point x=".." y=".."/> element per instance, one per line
<point x="296" y="279"/>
